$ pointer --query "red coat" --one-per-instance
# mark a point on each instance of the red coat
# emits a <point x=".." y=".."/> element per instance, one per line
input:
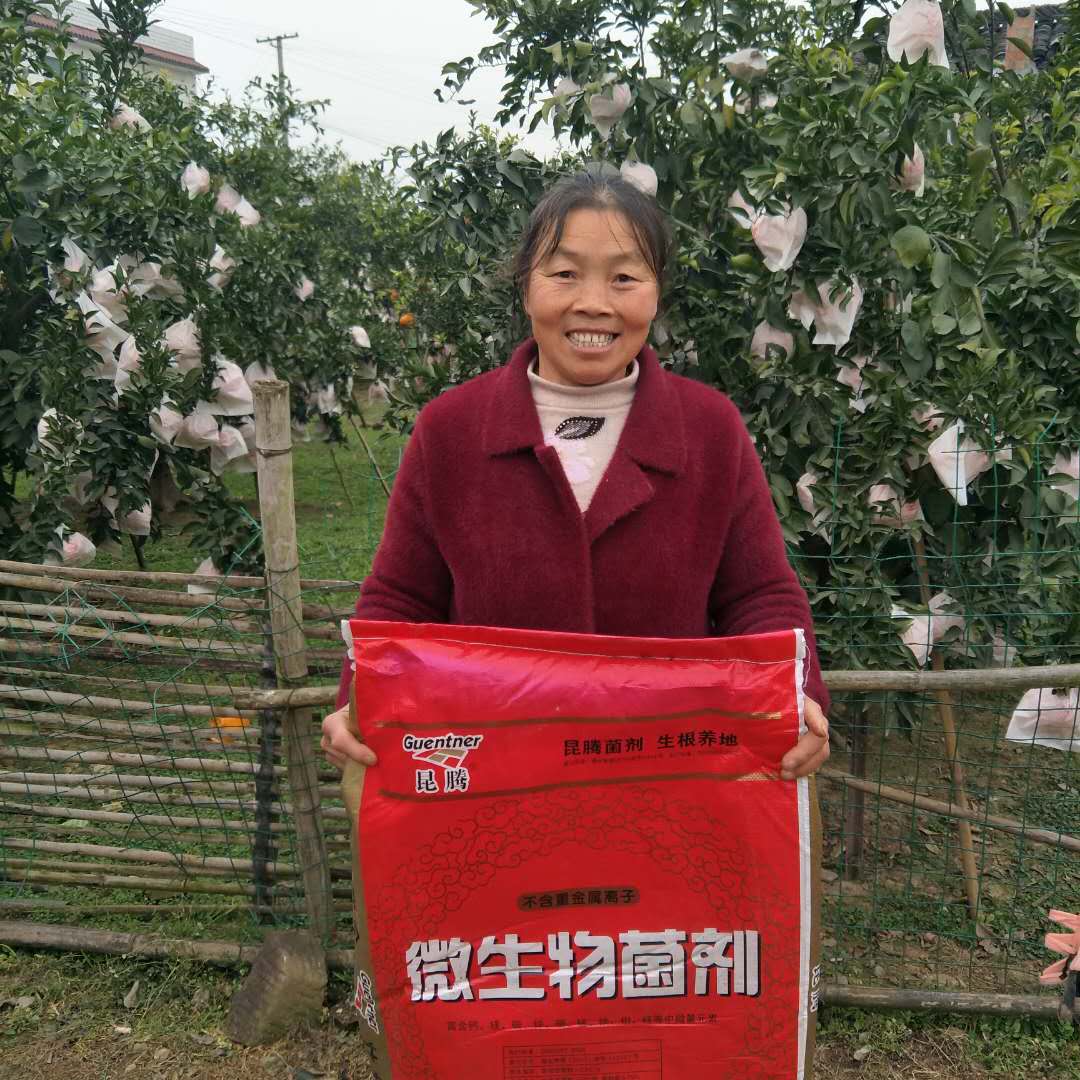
<point x="680" y="540"/>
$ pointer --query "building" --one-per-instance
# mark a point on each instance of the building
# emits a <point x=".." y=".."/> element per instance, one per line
<point x="1040" y="28"/>
<point x="165" y="52"/>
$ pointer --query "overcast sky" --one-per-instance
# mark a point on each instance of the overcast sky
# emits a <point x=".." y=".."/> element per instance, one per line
<point x="378" y="62"/>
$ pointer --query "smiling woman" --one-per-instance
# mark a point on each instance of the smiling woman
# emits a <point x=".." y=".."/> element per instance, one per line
<point x="590" y="269"/>
<point x="581" y="487"/>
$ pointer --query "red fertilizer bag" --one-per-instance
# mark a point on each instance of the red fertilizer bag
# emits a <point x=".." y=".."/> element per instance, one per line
<point x="576" y="859"/>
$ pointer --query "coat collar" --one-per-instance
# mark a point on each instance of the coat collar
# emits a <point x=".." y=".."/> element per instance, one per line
<point x="654" y="435"/>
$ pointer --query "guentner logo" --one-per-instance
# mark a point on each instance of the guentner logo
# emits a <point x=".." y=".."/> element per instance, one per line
<point x="446" y="751"/>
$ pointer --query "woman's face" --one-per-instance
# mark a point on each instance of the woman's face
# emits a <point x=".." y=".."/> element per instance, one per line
<point x="591" y="301"/>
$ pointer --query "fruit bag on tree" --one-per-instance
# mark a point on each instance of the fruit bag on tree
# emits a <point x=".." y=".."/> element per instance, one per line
<point x="576" y="857"/>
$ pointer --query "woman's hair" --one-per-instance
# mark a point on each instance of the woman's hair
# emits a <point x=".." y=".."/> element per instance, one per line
<point x="595" y="189"/>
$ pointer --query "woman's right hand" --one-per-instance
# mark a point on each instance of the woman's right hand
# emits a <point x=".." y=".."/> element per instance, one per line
<point x="339" y="741"/>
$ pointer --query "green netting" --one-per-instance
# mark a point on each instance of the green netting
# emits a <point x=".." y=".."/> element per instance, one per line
<point x="128" y="796"/>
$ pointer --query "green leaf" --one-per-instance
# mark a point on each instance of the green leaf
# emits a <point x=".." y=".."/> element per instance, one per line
<point x="970" y="324"/>
<point x="690" y="115"/>
<point x="977" y="161"/>
<point x="1023" y="46"/>
<point x="943" y="324"/>
<point x="939" y="275"/>
<point x="27" y="230"/>
<point x="911" y="244"/>
<point x="1016" y="194"/>
<point x="465" y="285"/>
<point x="915" y="343"/>
<point x="982" y="228"/>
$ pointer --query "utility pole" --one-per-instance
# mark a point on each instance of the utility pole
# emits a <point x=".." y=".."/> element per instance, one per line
<point x="277" y="39"/>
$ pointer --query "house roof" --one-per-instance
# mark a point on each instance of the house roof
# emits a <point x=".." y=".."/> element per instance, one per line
<point x="152" y="52"/>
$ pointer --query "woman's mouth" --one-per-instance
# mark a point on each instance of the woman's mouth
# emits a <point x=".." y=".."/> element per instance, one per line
<point x="588" y="340"/>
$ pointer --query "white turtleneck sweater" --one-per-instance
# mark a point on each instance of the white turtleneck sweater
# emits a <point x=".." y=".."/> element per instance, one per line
<point x="583" y="423"/>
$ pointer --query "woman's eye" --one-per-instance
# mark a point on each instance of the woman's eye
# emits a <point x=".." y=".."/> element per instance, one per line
<point x="624" y="279"/>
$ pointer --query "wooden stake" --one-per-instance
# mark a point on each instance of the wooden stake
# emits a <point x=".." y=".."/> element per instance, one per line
<point x="855" y="815"/>
<point x="273" y="442"/>
<point x="948" y="724"/>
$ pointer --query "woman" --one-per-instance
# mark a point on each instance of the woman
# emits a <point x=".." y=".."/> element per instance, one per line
<point x="581" y="487"/>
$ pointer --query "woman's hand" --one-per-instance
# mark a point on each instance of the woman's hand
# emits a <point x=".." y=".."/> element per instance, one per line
<point x="339" y="741"/>
<point x="812" y="750"/>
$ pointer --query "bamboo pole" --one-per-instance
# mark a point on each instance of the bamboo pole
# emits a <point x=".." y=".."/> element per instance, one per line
<point x="102" y="880"/>
<point x="53" y="790"/>
<point x="73" y="616"/>
<point x="59" y="697"/>
<point x="371" y="458"/>
<point x="125" y="783"/>
<point x="150" y="687"/>
<point x="103" y="652"/>
<point x="70" y="613"/>
<point x="163" y="597"/>
<point x="1037" y="1006"/>
<point x="106" y="880"/>
<point x="20" y="863"/>
<point x="157" y="910"/>
<point x="228" y="741"/>
<point x="101" y="635"/>
<point x="948" y="724"/>
<point x="82" y="573"/>
<point x="85" y="832"/>
<point x="28" y="935"/>
<point x="147" y="761"/>
<point x="952" y="810"/>
<point x="150" y="821"/>
<point x="976" y="680"/>
<point x="172" y="860"/>
<point x="273" y="443"/>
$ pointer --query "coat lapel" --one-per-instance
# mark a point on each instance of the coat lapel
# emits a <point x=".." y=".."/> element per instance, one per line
<point x="653" y="440"/>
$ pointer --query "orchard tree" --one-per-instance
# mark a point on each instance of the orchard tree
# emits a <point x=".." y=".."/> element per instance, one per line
<point x="879" y="241"/>
<point x="159" y="254"/>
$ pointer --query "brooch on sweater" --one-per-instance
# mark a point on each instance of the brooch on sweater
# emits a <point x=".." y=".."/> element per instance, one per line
<point x="579" y="427"/>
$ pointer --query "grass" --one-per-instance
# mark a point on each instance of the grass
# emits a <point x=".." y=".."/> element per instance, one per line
<point x="904" y="923"/>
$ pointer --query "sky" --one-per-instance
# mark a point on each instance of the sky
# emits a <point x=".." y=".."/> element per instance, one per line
<point x="378" y="61"/>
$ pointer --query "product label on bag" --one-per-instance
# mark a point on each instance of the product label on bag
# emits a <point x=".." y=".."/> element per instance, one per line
<point x="578" y="859"/>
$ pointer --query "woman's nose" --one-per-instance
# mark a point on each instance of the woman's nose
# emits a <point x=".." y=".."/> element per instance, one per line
<point x="593" y="297"/>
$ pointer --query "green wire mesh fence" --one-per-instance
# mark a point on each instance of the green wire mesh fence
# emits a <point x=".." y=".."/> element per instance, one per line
<point x="146" y="767"/>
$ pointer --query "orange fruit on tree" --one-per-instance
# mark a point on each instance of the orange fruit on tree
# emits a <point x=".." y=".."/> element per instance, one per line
<point x="407" y="320"/>
<point x="394" y="294"/>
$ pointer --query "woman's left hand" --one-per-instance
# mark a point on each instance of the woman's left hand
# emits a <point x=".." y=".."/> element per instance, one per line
<point x="812" y="750"/>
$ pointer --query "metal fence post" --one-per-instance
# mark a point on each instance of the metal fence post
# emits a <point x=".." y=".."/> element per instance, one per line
<point x="273" y="440"/>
